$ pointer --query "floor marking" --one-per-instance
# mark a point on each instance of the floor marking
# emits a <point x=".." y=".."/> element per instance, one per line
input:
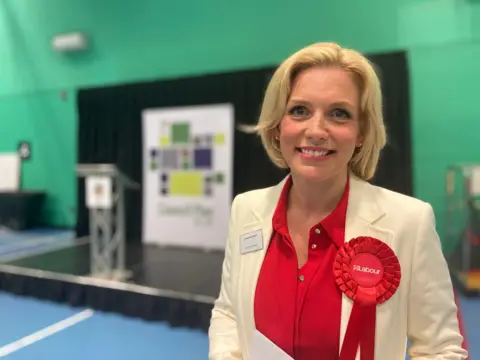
<point x="46" y="332"/>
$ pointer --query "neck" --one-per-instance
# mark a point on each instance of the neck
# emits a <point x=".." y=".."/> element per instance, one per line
<point x="317" y="198"/>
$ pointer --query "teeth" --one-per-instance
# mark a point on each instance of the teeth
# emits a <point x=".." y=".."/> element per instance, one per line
<point x="315" y="153"/>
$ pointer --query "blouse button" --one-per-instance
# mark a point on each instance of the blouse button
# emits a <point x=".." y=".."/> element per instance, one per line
<point x="314" y="246"/>
<point x="317" y="231"/>
<point x="301" y="277"/>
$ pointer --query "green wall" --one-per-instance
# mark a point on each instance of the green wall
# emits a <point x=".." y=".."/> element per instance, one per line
<point x="49" y="124"/>
<point x="155" y="39"/>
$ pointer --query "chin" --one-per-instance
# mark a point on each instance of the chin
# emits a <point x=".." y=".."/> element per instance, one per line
<point x="316" y="173"/>
<point x="313" y="174"/>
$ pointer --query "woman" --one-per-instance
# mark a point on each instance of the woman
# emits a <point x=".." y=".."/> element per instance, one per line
<point x="325" y="265"/>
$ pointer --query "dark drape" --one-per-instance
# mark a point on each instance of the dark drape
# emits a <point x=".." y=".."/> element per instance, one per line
<point x="395" y="168"/>
<point x="110" y="128"/>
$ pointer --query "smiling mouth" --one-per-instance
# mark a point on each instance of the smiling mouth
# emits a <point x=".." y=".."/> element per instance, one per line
<point x="315" y="152"/>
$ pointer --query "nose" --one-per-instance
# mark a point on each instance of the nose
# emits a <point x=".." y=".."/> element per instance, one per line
<point x="317" y="129"/>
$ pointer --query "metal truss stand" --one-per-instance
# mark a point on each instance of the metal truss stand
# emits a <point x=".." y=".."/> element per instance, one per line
<point x="105" y="188"/>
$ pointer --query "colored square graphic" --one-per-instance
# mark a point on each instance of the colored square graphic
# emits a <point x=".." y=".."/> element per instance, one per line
<point x="208" y="192"/>
<point x="186" y="183"/>
<point x="186" y="158"/>
<point x="170" y="159"/>
<point x="164" y="178"/>
<point x="184" y="161"/>
<point x="219" y="139"/>
<point x="202" y="158"/>
<point x="219" y="178"/>
<point x="180" y="133"/>
<point x="203" y="141"/>
<point x="208" y="185"/>
<point x="208" y="140"/>
<point x="164" y="141"/>
<point x="154" y="159"/>
<point x="197" y="140"/>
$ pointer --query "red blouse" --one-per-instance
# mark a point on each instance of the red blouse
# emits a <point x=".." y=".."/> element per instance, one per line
<point x="300" y="309"/>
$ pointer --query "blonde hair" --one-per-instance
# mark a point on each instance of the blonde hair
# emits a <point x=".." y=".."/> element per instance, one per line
<point x="365" y="160"/>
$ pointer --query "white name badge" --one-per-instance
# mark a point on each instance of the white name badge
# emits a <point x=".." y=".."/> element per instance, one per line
<point x="251" y="242"/>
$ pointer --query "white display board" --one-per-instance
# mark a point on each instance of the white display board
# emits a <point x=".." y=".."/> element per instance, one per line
<point x="10" y="165"/>
<point x="187" y="175"/>
<point x="475" y="181"/>
<point x="99" y="192"/>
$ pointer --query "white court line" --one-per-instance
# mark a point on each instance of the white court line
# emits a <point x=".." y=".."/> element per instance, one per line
<point x="46" y="332"/>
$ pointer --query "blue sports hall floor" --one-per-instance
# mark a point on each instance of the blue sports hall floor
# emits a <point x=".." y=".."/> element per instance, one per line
<point x="30" y="328"/>
<point x="36" y="329"/>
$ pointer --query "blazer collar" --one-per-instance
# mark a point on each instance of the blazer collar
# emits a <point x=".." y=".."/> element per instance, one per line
<point x="363" y="201"/>
<point x="265" y="208"/>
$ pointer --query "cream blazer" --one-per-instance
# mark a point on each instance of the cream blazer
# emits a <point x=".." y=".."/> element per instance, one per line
<point x="422" y="310"/>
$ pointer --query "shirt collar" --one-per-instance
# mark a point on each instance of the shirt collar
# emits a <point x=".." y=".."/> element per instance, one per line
<point x="333" y="224"/>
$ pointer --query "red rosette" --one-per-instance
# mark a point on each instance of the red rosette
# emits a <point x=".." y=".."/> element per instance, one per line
<point x="368" y="272"/>
<point x="369" y="254"/>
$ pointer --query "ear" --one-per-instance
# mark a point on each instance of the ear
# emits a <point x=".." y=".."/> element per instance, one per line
<point x="359" y="142"/>
<point x="276" y="133"/>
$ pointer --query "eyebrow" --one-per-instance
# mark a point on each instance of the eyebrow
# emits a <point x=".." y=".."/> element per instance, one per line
<point x="342" y="103"/>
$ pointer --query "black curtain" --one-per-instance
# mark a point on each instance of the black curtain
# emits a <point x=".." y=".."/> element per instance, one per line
<point x="395" y="168"/>
<point x="110" y="128"/>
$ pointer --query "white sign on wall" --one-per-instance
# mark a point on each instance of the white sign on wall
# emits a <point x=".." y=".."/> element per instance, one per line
<point x="475" y="181"/>
<point x="187" y="175"/>
<point x="10" y="166"/>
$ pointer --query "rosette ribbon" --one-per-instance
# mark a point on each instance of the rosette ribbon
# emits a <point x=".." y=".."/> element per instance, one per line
<point x="368" y="272"/>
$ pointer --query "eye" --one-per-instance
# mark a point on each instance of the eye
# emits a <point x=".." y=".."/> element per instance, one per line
<point x="298" y="111"/>
<point x="341" y="114"/>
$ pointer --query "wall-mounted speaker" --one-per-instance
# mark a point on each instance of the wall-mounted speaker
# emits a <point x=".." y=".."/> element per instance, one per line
<point x="70" y="42"/>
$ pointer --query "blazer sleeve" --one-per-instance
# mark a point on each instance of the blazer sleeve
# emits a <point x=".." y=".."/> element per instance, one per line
<point x="433" y="326"/>
<point x="223" y="337"/>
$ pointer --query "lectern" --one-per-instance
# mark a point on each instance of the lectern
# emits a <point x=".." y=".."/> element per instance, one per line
<point x="105" y="187"/>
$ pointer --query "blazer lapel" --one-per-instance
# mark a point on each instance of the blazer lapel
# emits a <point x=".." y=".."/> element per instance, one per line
<point x="251" y="263"/>
<point x="364" y="210"/>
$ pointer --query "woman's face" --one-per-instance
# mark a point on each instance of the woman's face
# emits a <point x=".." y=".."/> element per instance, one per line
<point x="320" y="129"/>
